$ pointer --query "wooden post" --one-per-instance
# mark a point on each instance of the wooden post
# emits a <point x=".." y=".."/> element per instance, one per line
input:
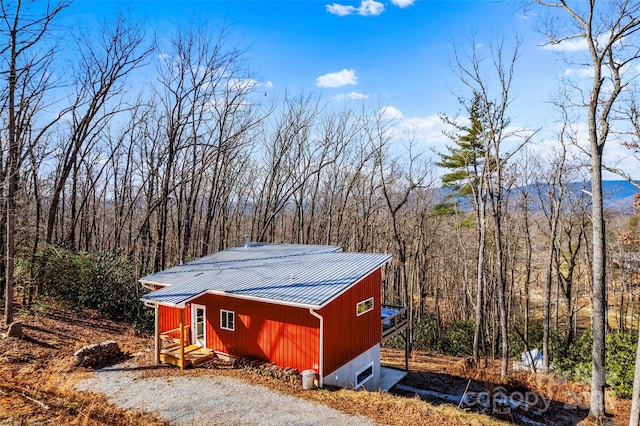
<point x="406" y="349"/>
<point x="157" y="333"/>
<point x="182" y="339"/>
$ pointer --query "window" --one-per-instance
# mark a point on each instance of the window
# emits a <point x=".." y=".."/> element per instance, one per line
<point x="364" y="306"/>
<point x="227" y="320"/>
<point x="364" y="375"/>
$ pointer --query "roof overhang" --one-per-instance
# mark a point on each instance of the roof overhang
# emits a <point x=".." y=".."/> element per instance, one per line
<point x="178" y="286"/>
<point x="151" y="302"/>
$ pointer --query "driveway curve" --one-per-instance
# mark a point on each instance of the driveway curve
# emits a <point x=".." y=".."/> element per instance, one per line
<point x="210" y="400"/>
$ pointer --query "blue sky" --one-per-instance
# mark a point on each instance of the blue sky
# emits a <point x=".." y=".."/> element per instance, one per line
<point x="395" y="53"/>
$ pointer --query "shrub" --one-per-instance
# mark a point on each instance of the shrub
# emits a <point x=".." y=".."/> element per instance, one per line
<point x="395" y="342"/>
<point x="620" y="362"/>
<point x="458" y="338"/>
<point x="574" y="362"/>
<point x="534" y="338"/>
<point x="104" y="282"/>
<point x="425" y="333"/>
<point x="620" y="358"/>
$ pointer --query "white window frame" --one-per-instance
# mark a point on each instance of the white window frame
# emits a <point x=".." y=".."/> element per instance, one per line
<point x="365" y="301"/>
<point x="224" y="319"/>
<point x="366" y="379"/>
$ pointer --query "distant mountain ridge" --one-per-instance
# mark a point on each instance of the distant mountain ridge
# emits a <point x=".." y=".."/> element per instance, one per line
<point x="618" y="194"/>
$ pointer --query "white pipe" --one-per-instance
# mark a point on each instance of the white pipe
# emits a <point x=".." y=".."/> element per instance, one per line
<point x="321" y="368"/>
<point x="156" y="337"/>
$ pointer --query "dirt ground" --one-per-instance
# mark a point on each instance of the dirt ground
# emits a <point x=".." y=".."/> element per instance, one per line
<point x="553" y="399"/>
<point x="38" y="379"/>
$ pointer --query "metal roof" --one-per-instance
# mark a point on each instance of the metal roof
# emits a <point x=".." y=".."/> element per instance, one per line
<point x="292" y="274"/>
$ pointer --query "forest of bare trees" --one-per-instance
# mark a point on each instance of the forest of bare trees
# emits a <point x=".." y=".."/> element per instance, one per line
<point x="99" y="158"/>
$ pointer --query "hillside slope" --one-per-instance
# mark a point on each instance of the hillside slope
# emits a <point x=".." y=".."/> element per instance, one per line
<point x="38" y="379"/>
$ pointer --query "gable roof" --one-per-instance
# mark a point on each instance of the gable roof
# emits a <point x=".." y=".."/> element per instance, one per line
<point x="291" y="274"/>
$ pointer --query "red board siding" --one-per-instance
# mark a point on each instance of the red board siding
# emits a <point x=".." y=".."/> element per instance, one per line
<point x="347" y="335"/>
<point x="170" y="318"/>
<point x="289" y="336"/>
<point x="284" y="335"/>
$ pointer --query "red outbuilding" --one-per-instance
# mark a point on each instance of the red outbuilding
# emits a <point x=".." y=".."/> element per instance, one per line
<point x="301" y="306"/>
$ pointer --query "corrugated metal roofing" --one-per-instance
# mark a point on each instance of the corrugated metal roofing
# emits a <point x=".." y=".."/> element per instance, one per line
<point x="305" y="275"/>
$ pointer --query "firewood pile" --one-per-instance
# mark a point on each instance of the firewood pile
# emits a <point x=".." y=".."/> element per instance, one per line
<point x="99" y="355"/>
<point x="289" y="374"/>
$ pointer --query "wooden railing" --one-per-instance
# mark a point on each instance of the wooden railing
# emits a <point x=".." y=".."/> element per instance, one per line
<point x="395" y="322"/>
<point x="171" y="339"/>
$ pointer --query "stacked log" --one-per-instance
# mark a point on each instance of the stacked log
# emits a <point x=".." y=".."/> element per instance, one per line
<point x="99" y="355"/>
<point x="289" y="374"/>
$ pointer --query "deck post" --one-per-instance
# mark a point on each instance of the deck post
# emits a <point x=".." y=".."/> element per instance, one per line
<point x="157" y="334"/>
<point x="182" y="339"/>
<point x="406" y="349"/>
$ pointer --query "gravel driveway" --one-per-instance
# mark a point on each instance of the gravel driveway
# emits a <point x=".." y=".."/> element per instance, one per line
<point x="210" y="400"/>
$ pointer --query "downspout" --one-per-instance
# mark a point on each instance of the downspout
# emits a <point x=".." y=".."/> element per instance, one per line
<point x="321" y="368"/>
<point x="156" y="338"/>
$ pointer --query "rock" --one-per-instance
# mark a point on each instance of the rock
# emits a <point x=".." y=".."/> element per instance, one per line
<point x="15" y="329"/>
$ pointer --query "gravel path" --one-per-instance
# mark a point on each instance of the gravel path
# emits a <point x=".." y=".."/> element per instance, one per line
<point x="210" y="400"/>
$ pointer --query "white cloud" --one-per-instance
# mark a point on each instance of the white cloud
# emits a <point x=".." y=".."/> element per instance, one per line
<point x="350" y="96"/>
<point x="575" y="44"/>
<point x="429" y="129"/>
<point x="390" y="113"/>
<point x="370" y="8"/>
<point x="337" y="79"/>
<point x="366" y="8"/>
<point x="340" y="9"/>
<point x="579" y="72"/>
<point x="567" y="46"/>
<point x="403" y="3"/>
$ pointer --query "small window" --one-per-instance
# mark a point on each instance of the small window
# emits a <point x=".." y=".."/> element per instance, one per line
<point x="227" y="320"/>
<point x="364" y="375"/>
<point x="364" y="306"/>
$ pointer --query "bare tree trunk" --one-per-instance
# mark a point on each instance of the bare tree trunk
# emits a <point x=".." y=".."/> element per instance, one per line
<point x="479" y="308"/>
<point x="12" y="177"/>
<point x="634" y="419"/>
<point x="598" y="290"/>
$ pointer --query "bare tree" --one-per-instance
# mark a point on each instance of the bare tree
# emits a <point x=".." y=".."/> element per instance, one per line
<point x="400" y="180"/>
<point x="104" y="64"/>
<point x="610" y="32"/>
<point x="552" y="193"/>
<point x="205" y="117"/>
<point x="24" y="32"/>
<point x="467" y="162"/>
<point x="293" y="156"/>
<point x="494" y="105"/>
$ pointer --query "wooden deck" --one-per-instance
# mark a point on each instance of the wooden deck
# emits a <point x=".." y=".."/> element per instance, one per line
<point x="194" y="356"/>
<point x="395" y="319"/>
<point x="182" y="353"/>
